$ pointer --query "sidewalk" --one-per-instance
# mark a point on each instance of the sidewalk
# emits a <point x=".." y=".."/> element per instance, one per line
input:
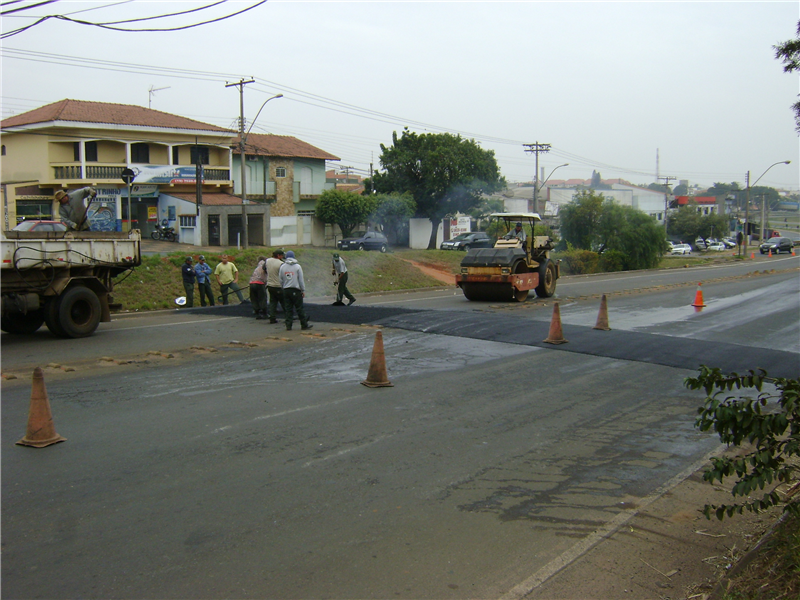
<point x="663" y="547"/>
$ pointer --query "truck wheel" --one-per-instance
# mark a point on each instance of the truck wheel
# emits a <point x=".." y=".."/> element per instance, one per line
<point x="51" y="317"/>
<point x="22" y="324"/>
<point x="79" y="312"/>
<point x="547" y="280"/>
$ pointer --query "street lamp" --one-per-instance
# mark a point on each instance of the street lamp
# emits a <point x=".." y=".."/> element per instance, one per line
<point x="536" y="195"/>
<point x="242" y="141"/>
<point x="747" y="202"/>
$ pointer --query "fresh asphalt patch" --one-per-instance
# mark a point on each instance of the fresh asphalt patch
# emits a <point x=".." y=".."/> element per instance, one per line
<point x="677" y="352"/>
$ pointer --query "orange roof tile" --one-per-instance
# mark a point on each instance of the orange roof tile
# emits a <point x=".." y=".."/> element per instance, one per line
<point x="284" y="146"/>
<point x="80" y="111"/>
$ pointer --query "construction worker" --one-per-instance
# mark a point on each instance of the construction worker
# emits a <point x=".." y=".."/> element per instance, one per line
<point x="294" y="289"/>
<point x="518" y="232"/>
<point x="340" y="271"/>
<point x="72" y="208"/>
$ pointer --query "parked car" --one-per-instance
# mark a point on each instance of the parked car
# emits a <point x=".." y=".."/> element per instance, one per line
<point x="465" y="241"/>
<point x="40" y="226"/>
<point x="717" y="247"/>
<point x="729" y="242"/>
<point x="700" y="244"/>
<point x="371" y="240"/>
<point x="681" y="249"/>
<point x="776" y="245"/>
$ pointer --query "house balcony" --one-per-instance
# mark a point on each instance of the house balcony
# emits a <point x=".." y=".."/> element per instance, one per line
<point x="112" y="173"/>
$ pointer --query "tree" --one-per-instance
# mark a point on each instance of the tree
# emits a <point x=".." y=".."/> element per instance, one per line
<point x="345" y="209"/>
<point x="392" y="212"/>
<point x="630" y="234"/>
<point x="681" y="190"/>
<point x="770" y="424"/>
<point x="688" y="224"/>
<point x="789" y="52"/>
<point x="580" y="219"/>
<point x="446" y="174"/>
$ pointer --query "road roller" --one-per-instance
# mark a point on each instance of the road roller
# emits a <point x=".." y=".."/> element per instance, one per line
<point x="513" y="267"/>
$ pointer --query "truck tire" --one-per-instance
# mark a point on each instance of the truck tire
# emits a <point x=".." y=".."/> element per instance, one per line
<point x="51" y="317"/>
<point x="79" y="312"/>
<point x="21" y="323"/>
<point x="547" y="280"/>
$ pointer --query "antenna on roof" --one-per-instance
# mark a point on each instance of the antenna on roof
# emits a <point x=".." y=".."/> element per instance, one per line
<point x="152" y="91"/>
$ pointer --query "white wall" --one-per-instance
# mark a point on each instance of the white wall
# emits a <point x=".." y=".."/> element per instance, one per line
<point x="419" y="234"/>
<point x="283" y="231"/>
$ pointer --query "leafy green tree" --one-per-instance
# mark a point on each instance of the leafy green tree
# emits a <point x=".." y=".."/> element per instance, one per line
<point x="633" y="238"/>
<point x="688" y="224"/>
<point x="345" y="209"/>
<point x="392" y="212"/>
<point x="768" y="424"/>
<point x="580" y="219"/>
<point x="446" y="174"/>
<point x="789" y="53"/>
<point x="658" y="187"/>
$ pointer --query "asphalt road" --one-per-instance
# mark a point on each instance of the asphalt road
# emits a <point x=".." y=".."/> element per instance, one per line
<point x="262" y="469"/>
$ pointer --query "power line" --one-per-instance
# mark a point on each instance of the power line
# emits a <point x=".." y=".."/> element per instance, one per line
<point x="104" y="26"/>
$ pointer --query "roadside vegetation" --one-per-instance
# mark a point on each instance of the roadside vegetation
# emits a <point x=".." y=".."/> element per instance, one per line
<point x="763" y="420"/>
<point x="157" y="282"/>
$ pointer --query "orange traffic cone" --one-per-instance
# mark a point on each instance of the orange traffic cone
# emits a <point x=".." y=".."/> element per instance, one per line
<point x="698" y="297"/>
<point x="770" y="252"/>
<point x="556" y="336"/>
<point x="752" y="255"/>
<point x="41" y="431"/>
<point x="602" y="316"/>
<point x="377" y="366"/>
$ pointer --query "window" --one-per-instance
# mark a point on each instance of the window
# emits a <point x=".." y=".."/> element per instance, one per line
<point x="280" y="172"/>
<point x="176" y="155"/>
<point x="76" y="151"/>
<point x="188" y="220"/>
<point x="3" y="150"/>
<point x="91" y="151"/>
<point x="140" y="153"/>
<point x="201" y="153"/>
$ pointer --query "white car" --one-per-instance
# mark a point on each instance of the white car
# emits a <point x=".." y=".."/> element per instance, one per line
<point x="717" y="247"/>
<point x="681" y="249"/>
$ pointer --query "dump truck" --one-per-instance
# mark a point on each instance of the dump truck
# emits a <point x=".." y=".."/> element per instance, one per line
<point x="513" y="267"/>
<point x="63" y="279"/>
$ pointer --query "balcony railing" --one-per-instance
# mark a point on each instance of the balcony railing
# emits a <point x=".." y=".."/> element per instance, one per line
<point x="216" y="174"/>
<point x="109" y="172"/>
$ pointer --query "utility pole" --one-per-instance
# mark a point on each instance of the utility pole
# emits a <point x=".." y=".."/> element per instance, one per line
<point x="666" y="198"/>
<point x="747" y="213"/>
<point x="536" y="148"/>
<point x="241" y="83"/>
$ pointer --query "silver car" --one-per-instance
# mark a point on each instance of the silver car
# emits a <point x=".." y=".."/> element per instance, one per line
<point x="681" y="249"/>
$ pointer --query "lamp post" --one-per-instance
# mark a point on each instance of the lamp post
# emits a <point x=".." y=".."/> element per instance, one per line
<point x="747" y="201"/>
<point x="536" y="195"/>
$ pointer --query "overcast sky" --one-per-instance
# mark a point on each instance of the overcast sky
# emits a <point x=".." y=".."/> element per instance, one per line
<point x="608" y="85"/>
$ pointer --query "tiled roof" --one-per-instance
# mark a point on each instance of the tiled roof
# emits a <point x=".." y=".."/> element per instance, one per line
<point x="208" y="199"/>
<point x="282" y="146"/>
<point x="81" y="111"/>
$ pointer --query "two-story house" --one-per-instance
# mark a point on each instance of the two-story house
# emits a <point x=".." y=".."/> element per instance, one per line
<point x="72" y="144"/>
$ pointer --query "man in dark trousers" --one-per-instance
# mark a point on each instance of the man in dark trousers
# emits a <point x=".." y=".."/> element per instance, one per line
<point x="274" y="289"/>
<point x="294" y="289"/>
<point x="189" y="275"/>
<point x="203" y="272"/>
<point x="340" y="270"/>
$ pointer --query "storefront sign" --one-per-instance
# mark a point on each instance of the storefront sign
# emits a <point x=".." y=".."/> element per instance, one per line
<point x="164" y="174"/>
